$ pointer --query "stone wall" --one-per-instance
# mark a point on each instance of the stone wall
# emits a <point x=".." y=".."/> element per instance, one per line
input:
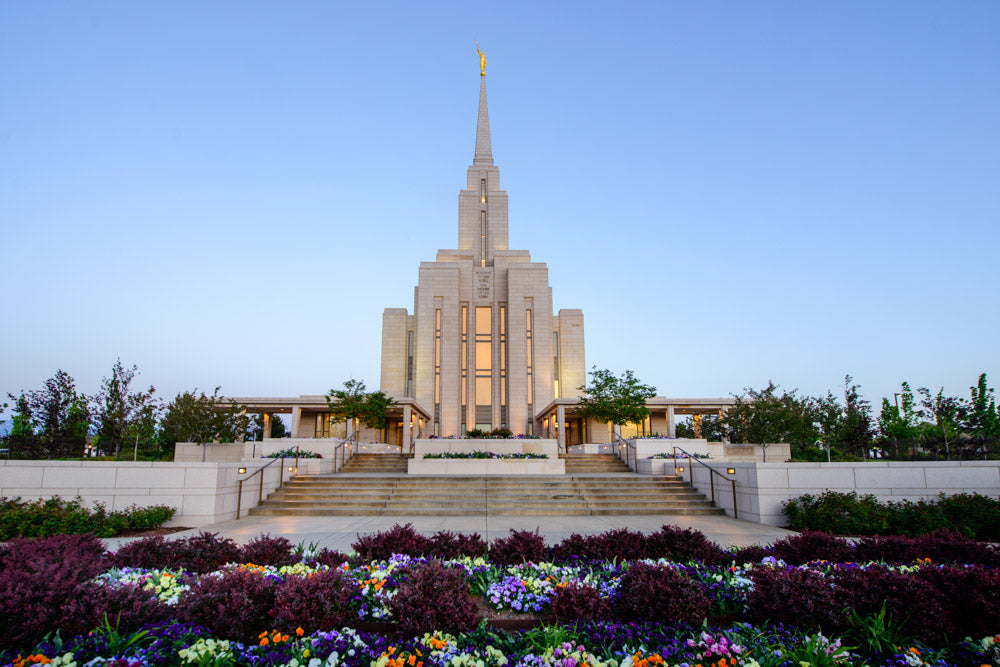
<point x="761" y="488"/>
<point x="234" y="452"/>
<point x="203" y="493"/>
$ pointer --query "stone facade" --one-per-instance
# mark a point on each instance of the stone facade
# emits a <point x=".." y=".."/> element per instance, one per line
<point x="483" y="348"/>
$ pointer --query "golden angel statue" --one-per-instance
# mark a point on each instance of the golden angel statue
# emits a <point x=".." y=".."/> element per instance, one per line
<point x="482" y="60"/>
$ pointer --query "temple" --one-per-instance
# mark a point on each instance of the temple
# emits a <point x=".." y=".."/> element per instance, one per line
<point x="482" y="348"/>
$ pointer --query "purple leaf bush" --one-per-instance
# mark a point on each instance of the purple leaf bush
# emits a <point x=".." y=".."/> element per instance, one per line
<point x="619" y="599"/>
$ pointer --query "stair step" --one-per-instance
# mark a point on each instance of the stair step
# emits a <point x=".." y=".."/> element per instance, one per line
<point x="378" y="485"/>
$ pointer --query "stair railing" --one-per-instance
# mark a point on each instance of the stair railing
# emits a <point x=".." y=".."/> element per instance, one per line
<point x="344" y="451"/>
<point x="711" y="478"/>
<point x="628" y="446"/>
<point x="260" y="471"/>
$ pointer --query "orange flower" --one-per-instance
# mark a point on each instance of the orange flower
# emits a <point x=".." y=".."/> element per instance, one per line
<point x="264" y="642"/>
<point x="412" y="661"/>
<point x="299" y="631"/>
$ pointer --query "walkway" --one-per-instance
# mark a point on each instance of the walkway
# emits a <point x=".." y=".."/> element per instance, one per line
<point x="339" y="532"/>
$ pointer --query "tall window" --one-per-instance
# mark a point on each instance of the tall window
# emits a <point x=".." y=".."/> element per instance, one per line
<point x="465" y="355"/>
<point x="484" y="355"/>
<point x="555" y="364"/>
<point x="409" y="363"/>
<point x="437" y="368"/>
<point x="528" y="356"/>
<point x="482" y="234"/>
<point x="503" y="355"/>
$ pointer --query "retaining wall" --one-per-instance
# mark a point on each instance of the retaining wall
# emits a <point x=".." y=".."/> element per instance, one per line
<point x="762" y="488"/>
<point x="203" y="493"/>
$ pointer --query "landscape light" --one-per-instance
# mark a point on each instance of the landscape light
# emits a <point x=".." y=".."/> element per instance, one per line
<point x="680" y="469"/>
<point x="731" y="471"/>
<point x="242" y="471"/>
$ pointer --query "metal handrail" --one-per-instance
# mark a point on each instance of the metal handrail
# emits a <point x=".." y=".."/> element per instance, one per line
<point x="345" y="446"/>
<point x="260" y="471"/>
<point x="628" y="444"/>
<point x="711" y="478"/>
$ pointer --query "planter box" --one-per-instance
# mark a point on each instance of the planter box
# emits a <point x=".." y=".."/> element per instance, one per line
<point x="468" y="445"/>
<point x="485" y="467"/>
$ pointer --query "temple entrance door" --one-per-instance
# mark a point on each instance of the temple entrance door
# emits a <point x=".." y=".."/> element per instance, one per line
<point x="574" y="435"/>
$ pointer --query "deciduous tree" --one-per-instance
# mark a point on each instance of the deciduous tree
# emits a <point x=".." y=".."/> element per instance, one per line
<point x="353" y="403"/>
<point x="51" y="422"/>
<point x="199" y="418"/>
<point x="610" y="399"/>
<point x="125" y="417"/>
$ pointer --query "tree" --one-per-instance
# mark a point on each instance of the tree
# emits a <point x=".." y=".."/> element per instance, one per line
<point x="52" y="422"/>
<point x="855" y="432"/>
<point x="615" y="400"/>
<point x="940" y="412"/>
<point x="354" y="404"/>
<point x="982" y="420"/>
<point x="765" y="417"/>
<point x="202" y="419"/>
<point x="124" y="416"/>
<point x="255" y="428"/>
<point x="899" y="422"/>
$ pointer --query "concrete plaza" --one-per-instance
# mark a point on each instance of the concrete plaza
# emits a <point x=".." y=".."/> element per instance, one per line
<point x="339" y="532"/>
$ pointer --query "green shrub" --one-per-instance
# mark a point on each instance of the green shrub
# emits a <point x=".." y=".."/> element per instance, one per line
<point x="973" y="514"/>
<point x="56" y="516"/>
<point x="849" y="514"/>
<point x="838" y="513"/>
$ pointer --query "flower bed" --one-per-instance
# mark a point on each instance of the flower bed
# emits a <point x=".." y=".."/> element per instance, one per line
<point x="477" y="454"/>
<point x="620" y="599"/>
<point x="291" y="453"/>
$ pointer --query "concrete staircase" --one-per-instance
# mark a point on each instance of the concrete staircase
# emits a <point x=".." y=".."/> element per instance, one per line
<point x="591" y="463"/>
<point x="344" y="494"/>
<point x="375" y="463"/>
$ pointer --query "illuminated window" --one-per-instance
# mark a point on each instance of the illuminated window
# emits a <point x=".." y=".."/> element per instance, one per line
<point x="437" y="355"/>
<point x="482" y="190"/>
<point x="482" y="234"/>
<point x="555" y="364"/>
<point x="465" y="357"/>
<point x="528" y="355"/>
<point x="484" y="355"/>
<point x="409" y="363"/>
<point x="503" y="355"/>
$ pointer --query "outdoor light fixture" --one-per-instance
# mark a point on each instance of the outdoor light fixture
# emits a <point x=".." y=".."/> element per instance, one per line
<point x="242" y="471"/>
<point x="680" y="469"/>
<point x="731" y="471"/>
<point x="290" y="468"/>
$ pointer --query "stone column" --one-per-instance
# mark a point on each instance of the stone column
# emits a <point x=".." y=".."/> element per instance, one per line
<point x="267" y="426"/>
<point x="561" y="426"/>
<point x="407" y="428"/>
<point x="296" y="421"/>
<point x="671" y="422"/>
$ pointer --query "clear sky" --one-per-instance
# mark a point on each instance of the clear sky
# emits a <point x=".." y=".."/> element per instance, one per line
<point x="229" y="193"/>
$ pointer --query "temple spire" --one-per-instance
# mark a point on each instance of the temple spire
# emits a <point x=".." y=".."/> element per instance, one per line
<point x="484" y="150"/>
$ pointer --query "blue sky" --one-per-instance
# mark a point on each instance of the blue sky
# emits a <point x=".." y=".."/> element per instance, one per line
<point x="229" y="193"/>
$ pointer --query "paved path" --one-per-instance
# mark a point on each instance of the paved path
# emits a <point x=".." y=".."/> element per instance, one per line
<point x="339" y="532"/>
